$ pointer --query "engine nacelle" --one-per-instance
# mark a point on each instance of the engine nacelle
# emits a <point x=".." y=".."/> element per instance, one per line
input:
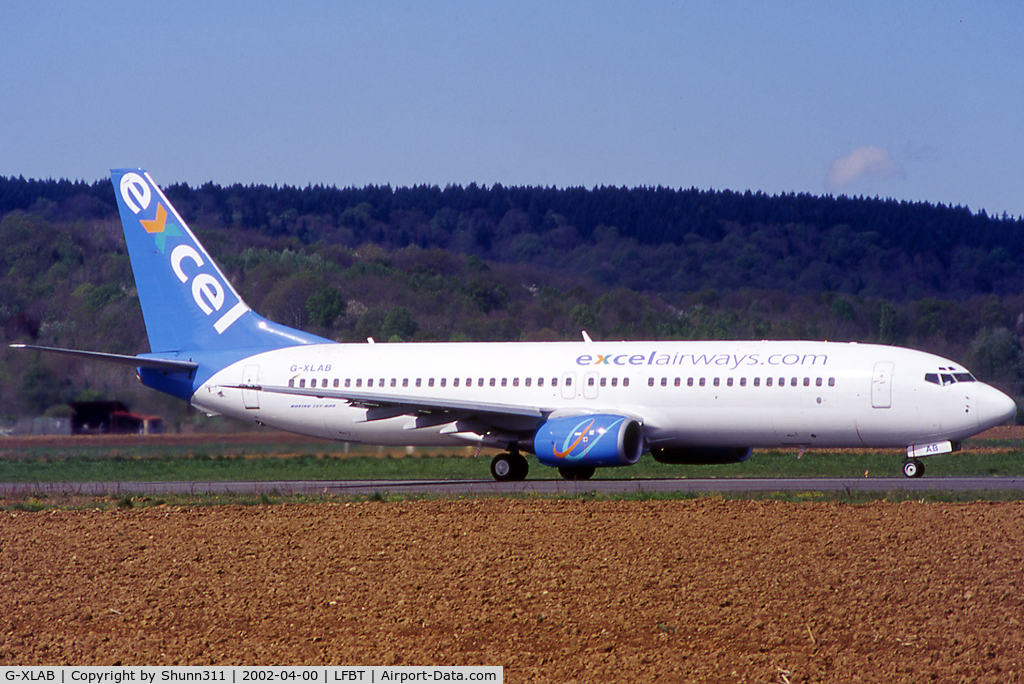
<point x="700" y="455"/>
<point x="598" y="439"/>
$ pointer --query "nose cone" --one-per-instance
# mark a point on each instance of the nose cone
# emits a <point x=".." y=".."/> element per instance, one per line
<point x="994" y="408"/>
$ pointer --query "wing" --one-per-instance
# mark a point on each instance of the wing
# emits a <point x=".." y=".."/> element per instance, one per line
<point x="409" y="404"/>
<point x="458" y="416"/>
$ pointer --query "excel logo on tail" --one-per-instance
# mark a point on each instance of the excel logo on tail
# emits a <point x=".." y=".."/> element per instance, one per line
<point x="208" y="292"/>
<point x="137" y="196"/>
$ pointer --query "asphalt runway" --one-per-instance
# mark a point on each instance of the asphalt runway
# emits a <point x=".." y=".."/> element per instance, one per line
<point x="493" y="488"/>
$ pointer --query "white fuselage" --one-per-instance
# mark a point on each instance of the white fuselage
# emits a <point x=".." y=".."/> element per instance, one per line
<point x="757" y="394"/>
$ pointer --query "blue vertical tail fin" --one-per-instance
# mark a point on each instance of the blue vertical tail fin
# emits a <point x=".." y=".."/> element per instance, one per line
<point x="187" y="302"/>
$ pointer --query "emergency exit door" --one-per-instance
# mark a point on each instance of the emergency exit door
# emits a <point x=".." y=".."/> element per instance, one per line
<point x="250" y="378"/>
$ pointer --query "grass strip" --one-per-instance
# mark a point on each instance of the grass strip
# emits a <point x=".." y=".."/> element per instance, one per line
<point x="227" y="462"/>
<point x="37" y="503"/>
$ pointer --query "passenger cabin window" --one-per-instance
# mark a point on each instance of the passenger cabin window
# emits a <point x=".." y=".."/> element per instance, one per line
<point x="291" y="382"/>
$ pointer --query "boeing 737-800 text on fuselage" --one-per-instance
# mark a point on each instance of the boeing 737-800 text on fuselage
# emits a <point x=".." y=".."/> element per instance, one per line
<point x="575" y="405"/>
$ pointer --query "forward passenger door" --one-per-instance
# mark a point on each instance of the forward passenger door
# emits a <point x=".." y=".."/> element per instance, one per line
<point x="881" y="385"/>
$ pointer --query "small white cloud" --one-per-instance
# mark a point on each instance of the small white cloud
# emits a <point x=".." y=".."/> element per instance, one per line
<point x="863" y="162"/>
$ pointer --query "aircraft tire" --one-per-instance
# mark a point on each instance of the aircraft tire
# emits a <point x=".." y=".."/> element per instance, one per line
<point x="577" y="473"/>
<point x="502" y="467"/>
<point x="508" y="467"/>
<point x="520" y="466"/>
<point x="913" y="468"/>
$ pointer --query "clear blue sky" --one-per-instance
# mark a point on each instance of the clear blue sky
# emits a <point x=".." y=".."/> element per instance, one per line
<point x="911" y="100"/>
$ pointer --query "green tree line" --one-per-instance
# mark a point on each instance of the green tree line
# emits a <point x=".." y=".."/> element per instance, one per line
<point x="499" y="263"/>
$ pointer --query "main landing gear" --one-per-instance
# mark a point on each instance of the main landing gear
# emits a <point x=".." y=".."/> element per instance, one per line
<point x="510" y="466"/>
<point x="584" y="473"/>
<point x="913" y="468"/>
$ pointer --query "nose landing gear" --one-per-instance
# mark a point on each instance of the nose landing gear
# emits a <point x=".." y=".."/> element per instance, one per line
<point x="913" y="468"/>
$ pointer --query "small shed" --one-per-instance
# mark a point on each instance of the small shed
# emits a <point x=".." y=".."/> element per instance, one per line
<point x="110" y="417"/>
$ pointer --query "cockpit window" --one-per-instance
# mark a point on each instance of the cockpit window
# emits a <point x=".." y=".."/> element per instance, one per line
<point x="944" y="379"/>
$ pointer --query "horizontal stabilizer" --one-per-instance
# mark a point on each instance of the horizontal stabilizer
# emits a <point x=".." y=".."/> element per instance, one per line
<point x="165" y="365"/>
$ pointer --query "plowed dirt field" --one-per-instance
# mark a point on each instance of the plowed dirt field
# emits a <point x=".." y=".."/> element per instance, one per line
<point x="555" y="591"/>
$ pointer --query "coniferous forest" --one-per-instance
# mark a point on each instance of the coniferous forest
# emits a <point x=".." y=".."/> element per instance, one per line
<point x="514" y="263"/>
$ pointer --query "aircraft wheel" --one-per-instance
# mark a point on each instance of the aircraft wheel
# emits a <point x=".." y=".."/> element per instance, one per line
<point x="520" y="466"/>
<point x="577" y="473"/>
<point x="913" y="468"/>
<point x="502" y="467"/>
<point x="506" y="467"/>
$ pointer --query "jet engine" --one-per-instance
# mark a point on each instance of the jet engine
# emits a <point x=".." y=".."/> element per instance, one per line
<point x="700" y="455"/>
<point x="600" y="440"/>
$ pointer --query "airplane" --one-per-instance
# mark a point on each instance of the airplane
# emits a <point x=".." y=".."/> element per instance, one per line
<point x="576" y="406"/>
